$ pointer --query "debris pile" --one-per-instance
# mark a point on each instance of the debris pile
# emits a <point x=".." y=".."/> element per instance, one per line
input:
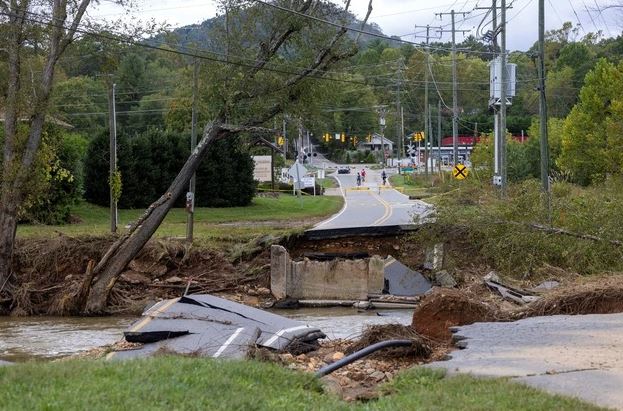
<point x="49" y="272"/>
<point x="603" y="295"/>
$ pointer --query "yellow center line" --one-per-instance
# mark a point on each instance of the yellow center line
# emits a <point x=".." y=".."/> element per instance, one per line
<point x="388" y="209"/>
<point x="150" y="317"/>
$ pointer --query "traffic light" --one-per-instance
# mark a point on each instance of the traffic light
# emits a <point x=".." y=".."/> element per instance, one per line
<point x="418" y="136"/>
<point x="369" y="138"/>
<point x="343" y="137"/>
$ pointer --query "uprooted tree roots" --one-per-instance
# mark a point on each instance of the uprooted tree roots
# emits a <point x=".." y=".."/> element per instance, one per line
<point x="49" y="274"/>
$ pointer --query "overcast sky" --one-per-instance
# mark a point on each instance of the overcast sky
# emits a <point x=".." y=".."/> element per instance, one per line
<point x="399" y="17"/>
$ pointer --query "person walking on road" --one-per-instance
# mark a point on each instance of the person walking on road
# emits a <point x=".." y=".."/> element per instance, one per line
<point x="358" y="179"/>
<point x="384" y="177"/>
<point x="363" y="175"/>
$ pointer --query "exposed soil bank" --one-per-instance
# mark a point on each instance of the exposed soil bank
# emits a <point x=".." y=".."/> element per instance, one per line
<point x="48" y="272"/>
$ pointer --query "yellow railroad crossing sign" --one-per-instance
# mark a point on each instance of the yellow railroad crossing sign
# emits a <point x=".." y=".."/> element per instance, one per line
<point x="460" y="171"/>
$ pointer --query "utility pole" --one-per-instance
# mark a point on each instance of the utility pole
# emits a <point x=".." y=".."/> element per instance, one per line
<point x="285" y="140"/>
<point x="112" y="118"/>
<point x="402" y="133"/>
<point x="190" y="197"/>
<point x="543" y="102"/>
<point x="455" y="108"/>
<point x="399" y="135"/>
<point x="503" y="81"/>
<point x="427" y="121"/>
<point x="439" y="135"/>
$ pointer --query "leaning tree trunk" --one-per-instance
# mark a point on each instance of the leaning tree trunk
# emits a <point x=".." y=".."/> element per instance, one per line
<point x="8" y="224"/>
<point x="129" y="245"/>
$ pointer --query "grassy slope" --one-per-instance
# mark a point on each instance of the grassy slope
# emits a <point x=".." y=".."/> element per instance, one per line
<point x="94" y="219"/>
<point x="200" y="384"/>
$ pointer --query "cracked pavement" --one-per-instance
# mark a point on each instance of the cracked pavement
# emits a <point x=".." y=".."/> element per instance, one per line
<point x="579" y="356"/>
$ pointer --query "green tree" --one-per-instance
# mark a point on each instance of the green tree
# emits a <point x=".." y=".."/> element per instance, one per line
<point x="591" y="142"/>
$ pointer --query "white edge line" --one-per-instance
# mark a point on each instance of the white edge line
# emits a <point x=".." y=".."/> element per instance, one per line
<point x="227" y="343"/>
<point x="274" y="338"/>
<point x="341" y="211"/>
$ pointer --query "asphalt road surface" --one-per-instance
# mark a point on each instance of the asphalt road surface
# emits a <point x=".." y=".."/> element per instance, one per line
<point x="373" y="204"/>
<point x="579" y="356"/>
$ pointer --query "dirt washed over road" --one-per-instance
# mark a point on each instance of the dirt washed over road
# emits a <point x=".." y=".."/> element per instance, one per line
<point x="575" y="355"/>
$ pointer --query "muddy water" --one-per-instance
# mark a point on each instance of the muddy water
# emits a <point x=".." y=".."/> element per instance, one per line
<point x="41" y="338"/>
<point x="30" y="338"/>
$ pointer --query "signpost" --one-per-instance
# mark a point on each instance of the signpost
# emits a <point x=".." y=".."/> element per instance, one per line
<point x="460" y="171"/>
<point x="263" y="168"/>
<point x="296" y="172"/>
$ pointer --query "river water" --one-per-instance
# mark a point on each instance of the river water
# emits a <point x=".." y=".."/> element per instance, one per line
<point x="44" y="338"/>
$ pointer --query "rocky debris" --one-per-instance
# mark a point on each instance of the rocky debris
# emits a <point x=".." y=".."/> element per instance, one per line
<point x="174" y="280"/>
<point x="546" y="286"/>
<point x="134" y="278"/>
<point x="509" y="293"/>
<point x="445" y="279"/>
<point x="146" y="266"/>
<point x="492" y="276"/>
<point x="434" y="257"/>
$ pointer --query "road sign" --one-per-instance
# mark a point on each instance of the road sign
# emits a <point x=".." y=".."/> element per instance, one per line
<point x="263" y="169"/>
<point x="460" y="171"/>
<point x="297" y="171"/>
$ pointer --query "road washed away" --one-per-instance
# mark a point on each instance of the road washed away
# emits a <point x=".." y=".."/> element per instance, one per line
<point x="209" y="326"/>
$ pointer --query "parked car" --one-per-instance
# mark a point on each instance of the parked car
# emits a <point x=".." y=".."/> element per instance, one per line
<point x="343" y="170"/>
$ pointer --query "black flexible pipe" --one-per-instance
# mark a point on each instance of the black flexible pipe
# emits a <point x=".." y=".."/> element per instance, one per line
<point x="360" y="354"/>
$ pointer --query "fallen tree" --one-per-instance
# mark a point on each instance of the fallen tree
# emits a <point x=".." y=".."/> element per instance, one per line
<point x="249" y="91"/>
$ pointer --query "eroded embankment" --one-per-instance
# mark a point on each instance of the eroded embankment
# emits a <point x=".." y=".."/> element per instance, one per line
<point x="49" y="272"/>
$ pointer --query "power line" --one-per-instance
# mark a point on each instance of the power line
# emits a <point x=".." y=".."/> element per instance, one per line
<point x="340" y="26"/>
<point x="181" y="52"/>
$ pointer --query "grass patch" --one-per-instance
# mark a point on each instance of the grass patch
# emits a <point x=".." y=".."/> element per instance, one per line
<point x="502" y="233"/>
<point x="209" y="222"/>
<point x="327" y="182"/>
<point x="425" y="389"/>
<point x="420" y="186"/>
<point x="166" y="383"/>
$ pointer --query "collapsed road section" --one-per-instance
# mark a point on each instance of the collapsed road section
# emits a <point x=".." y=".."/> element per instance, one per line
<point x="209" y="326"/>
<point x="341" y="278"/>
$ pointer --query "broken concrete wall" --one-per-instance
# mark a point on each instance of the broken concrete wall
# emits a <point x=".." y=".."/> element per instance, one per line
<point x="337" y="279"/>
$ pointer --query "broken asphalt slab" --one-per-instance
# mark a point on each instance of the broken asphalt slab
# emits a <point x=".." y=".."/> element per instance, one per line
<point x="211" y="326"/>
<point x="400" y="280"/>
<point x="368" y="231"/>
<point x="579" y="356"/>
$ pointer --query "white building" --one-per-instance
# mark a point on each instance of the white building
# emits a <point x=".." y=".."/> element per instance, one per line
<point x="377" y="142"/>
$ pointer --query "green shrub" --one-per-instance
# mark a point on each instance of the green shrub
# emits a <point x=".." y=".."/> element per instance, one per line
<point x="149" y="162"/>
